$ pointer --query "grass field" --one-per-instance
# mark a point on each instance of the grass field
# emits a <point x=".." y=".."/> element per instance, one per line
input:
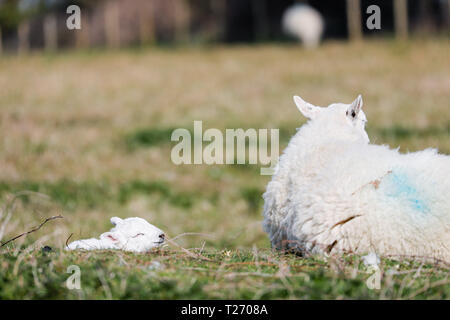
<point x="91" y="131"/>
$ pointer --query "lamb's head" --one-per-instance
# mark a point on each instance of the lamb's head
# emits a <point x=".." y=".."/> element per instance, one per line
<point x="338" y="120"/>
<point x="133" y="234"/>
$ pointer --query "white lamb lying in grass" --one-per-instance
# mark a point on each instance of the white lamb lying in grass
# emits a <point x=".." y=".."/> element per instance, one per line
<point x="333" y="192"/>
<point x="131" y="234"/>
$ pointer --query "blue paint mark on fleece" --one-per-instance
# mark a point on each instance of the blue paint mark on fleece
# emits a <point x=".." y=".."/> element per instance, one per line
<point x="400" y="187"/>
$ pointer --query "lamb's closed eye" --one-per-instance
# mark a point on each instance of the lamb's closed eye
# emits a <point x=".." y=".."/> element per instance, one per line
<point x="139" y="234"/>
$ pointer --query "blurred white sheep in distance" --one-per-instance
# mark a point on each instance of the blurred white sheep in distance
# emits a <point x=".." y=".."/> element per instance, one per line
<point x="304" y="23"/>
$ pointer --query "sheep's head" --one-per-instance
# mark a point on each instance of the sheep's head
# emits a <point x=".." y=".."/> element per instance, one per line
<point x="338" y="120"/>
<point x="133" y="234"/>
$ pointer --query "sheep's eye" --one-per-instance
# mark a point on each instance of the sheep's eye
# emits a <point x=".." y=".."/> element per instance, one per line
<point x="353" y="113"/>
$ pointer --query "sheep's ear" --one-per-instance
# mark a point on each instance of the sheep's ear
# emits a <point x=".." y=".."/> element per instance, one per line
<point x="113" y="238"/>
<point x="116" y="220"/>
<point x="355" y="108"/>
<point x="110" y="236"/>
<point x="307" y="109"/>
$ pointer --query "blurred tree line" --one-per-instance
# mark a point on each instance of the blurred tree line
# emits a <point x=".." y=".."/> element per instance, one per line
<point x="30" y="24"/>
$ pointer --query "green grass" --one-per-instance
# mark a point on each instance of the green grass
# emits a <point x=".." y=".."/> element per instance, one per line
<point x="148" y="137"/>
<point x="213" y="274"/>
<point x="399" y="132"/>
<point x="72" y="195"/>
<point x="94" y="136"/>
<point x="253" y="197"/>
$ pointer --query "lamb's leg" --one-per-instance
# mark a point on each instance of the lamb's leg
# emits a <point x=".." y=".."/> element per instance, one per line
<point x="90" y="244"/>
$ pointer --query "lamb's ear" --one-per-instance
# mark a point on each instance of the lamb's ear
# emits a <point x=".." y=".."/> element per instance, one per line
<point x="112" y="237"/>
<point x="355" y="108"/>
<point x="109" y="236"/>
<point x="116" y="220"/>
<point x="307" y="109"/>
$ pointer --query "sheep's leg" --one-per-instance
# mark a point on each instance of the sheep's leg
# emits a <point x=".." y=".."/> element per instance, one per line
<point x="89" y="244"/>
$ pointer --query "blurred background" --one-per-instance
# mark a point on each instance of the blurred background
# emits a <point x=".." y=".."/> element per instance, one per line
<point x="86" y="115"/>
<point x="39" y="24"/>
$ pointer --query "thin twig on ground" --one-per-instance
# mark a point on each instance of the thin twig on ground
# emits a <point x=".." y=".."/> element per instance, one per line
<point x="67" y="241"/>
<point x="32" y="230"/>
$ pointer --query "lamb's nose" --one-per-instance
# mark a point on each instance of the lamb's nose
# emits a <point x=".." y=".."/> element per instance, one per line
<point x="162" y="236"/>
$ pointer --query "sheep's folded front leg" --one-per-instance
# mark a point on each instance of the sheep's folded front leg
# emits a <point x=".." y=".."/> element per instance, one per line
<point x="91" y="244"/>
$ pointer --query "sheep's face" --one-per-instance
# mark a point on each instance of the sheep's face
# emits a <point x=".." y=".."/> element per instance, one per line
<point x="339" y="120"/>
<point x="134" y="234"/>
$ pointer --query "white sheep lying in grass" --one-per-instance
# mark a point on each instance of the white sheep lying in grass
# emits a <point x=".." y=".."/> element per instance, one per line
<point x="304" y="23"/>
<point x="332" y="191"/>
<point x="131" y="234"/>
